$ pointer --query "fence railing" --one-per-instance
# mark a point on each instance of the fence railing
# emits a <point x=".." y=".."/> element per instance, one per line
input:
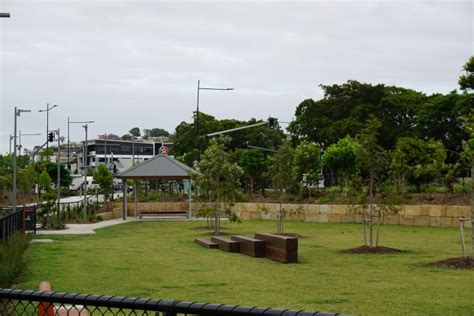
<point x="25" y="302"/>
<point x="24" y="219"/>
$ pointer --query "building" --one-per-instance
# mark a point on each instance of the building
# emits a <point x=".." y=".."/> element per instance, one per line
<point x="117" y="154"/>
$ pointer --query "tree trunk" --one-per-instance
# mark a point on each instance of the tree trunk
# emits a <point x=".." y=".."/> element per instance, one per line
<point x="371" y="210"/>
<point x="377" y="234"/>
<point x="472" y="205"/>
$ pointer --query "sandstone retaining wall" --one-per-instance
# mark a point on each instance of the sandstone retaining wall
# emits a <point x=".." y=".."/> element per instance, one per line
<point x="419" y="215"/>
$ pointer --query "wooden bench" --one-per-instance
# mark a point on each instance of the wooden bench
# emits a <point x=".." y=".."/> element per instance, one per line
<point x="280" y="248"/>
<point x="226" y="244"/>
<point x="163" y="214"/>
<point x="206" y="243"/>
<point x="250" y="246"/>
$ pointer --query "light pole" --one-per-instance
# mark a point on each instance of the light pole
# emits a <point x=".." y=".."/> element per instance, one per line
<point x="68" y="142"/>
<point x="19" y="138"/>
<point x="58" y="184"/>
<point x="85" y="172"/>
<point x="10" y="148"/>
<point x="47" y="120"/>
<point x="17" y="114"/>
<point x="199" y="88"/>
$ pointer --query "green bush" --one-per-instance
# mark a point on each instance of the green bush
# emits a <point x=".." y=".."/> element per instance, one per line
<point x="13" y="259"/>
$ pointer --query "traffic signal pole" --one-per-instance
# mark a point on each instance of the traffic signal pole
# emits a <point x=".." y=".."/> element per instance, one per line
<point x="271" y="122"/>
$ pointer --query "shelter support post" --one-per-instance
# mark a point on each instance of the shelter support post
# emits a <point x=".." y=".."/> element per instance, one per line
<point x="125" y="205"/>
<point x="190" y="205"/>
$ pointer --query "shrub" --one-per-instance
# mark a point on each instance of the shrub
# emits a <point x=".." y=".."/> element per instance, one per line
<point x="13" y="259"/>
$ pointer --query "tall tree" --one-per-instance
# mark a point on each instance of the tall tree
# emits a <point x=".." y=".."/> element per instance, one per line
<point x="344" y="109"/>
<point x="307" y="165"/>
<point x="219" y="178"/>
<point x="254" y="164"/>
<point x="103" y="176"/>
<point x="135" y="131"/>
<point x="417" y="161"/>
<point x="340" y="158"/>
<point x="466" y="80"/>
<point x="373" y="160"/>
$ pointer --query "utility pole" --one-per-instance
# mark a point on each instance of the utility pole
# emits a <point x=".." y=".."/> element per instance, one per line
<point x="17" y="113"/>
<point x="199" y="88"/>
<point x="58" y="185"/>
<point x="85" y="173"/>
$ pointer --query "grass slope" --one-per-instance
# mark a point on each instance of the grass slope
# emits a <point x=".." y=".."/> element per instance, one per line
<point x="160" y="260"/>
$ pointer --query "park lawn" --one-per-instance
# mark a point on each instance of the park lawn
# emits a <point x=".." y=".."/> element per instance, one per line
<point x="157" y="259"/>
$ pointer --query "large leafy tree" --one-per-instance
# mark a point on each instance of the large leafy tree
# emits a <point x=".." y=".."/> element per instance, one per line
<point x="340" y="158"/>
<point x="440" y="118"/>
<point x="307" y="165"/>
<point x="187" y="145"/>
<point x="135" y="131"/>
<point x="466" y="80"/>
<point x="103" y="176"/>
<point x="254" y="164"/>
<point x="417" y="161"/>
<point x="344" y="109"/>
<point x="218" y="177"/>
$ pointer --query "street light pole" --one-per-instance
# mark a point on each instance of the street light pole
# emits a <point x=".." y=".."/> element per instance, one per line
<point x="68" y="142"/>
<point x="58" y="184"/>
<point x="199" y="88"/>
<point x="17" y="113"/>
<point x="85" y="173"/>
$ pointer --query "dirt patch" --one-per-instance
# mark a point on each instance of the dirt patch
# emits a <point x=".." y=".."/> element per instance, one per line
<point x="455" y="263"/>
<point x="367" y="249"/>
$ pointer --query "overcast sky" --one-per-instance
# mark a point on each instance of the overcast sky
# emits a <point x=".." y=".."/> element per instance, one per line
<point x="136" y="63"/>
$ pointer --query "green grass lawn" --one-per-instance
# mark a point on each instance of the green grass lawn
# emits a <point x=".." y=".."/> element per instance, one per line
<point x="160" y="260"/>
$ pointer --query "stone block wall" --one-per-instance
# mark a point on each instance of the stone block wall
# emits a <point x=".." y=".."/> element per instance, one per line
<point x="419" y="215"/>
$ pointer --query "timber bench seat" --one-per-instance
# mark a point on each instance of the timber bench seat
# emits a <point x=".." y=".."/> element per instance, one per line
<point x="280" y="248"/>
<point x="206" y="243"/>
<point x="162" y="213"/>
<point x="226" y="244"/>
<point x="250" y="246"/>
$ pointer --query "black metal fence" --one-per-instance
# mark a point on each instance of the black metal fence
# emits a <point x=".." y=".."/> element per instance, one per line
<point x="25" y="302"/>
<point x="23" y="219"/>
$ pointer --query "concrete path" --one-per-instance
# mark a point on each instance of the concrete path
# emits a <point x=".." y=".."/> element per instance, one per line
<point x="84" y="229"/>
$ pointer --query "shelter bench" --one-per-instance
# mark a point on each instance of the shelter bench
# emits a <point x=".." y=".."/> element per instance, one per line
<point x="280" y="248"/>
<point x="226" y="244"/>
<point x="164" y="213"/>
<point x="206" y="243"/>
<point x="250" y="246"/>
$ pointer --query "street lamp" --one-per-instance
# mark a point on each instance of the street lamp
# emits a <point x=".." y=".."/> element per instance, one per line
<point x="199" y="88"/>
<point x="68" y="146"/>
<point x="84" y="152"/>
<point x="17" y="114"/>
<point x="47" y="120"/>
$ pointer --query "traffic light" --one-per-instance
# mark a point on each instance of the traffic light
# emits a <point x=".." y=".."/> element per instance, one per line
<point x="51" y="137"/>
<point x="272" y="122"/>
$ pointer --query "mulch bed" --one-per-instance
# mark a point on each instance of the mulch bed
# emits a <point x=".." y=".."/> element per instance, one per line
<point x="455" y="263"/>
<point x="367" y="249"/>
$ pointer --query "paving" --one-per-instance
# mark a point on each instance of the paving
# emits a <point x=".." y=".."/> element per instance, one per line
<point x="86" y="229"/>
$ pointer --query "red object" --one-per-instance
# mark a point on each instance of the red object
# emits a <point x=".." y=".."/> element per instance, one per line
<point x="165" y="150"/>
<point x="45" y="308"/>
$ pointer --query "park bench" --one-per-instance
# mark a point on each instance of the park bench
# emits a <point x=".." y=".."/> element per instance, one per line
<point x="163" y="214"/>
<point x="250" y="246"/>
<point x="280" y="248"/>
<point x="226" y="244"/>
<point x="206" y="243"/>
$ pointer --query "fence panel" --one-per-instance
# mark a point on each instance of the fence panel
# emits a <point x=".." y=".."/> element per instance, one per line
<point x="25" y="302"/>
